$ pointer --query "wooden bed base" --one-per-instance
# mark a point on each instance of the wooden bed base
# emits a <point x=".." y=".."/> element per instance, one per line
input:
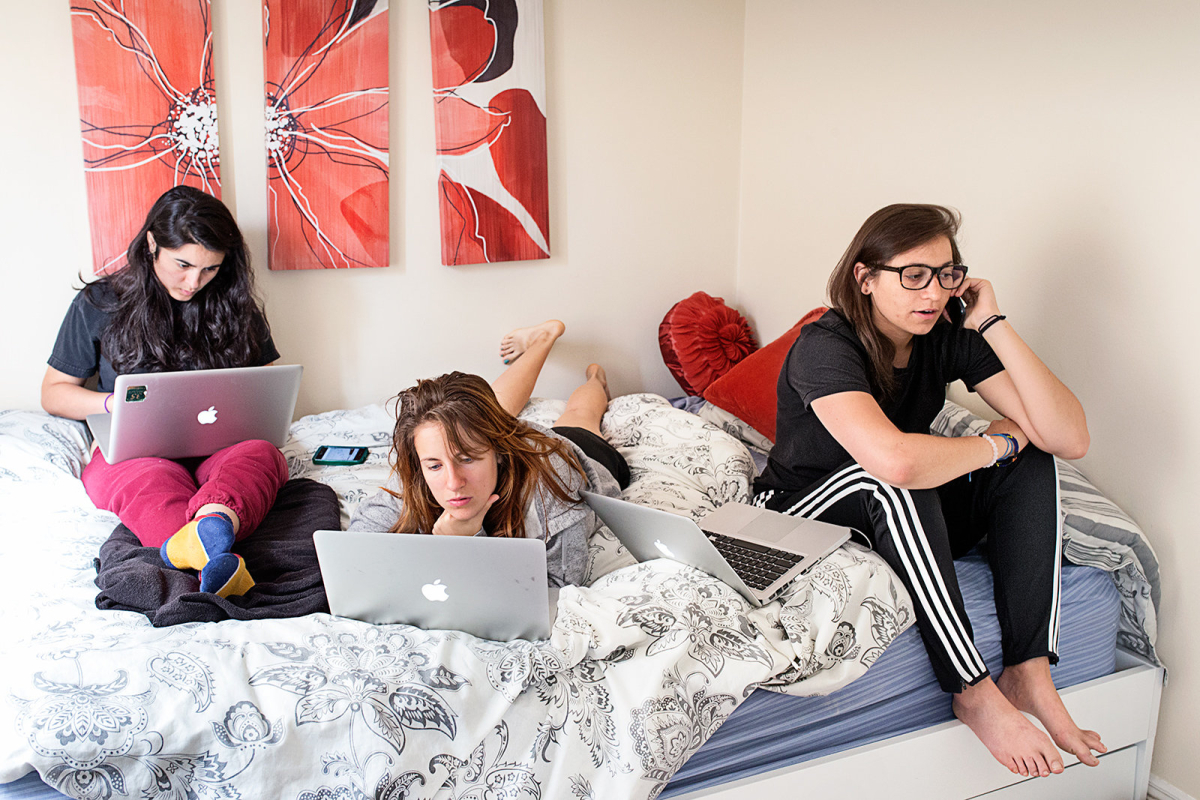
<point x="947" y="762"/>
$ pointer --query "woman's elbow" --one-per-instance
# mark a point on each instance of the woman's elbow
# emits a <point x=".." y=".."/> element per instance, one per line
<point x="896" y="470"/>
<point x="1076" y="447"/>
<point x="47" y="400"/>
<point x="1070" y="445"/>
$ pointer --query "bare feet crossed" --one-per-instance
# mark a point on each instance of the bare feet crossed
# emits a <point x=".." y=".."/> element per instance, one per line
<point x="518" y="340"/>
<point x="1010" y="737"/>
<point x="1029" y="687"/>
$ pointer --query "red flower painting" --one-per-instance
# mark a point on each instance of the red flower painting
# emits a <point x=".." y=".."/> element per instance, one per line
<point x="147" y="108"/>
<point x="489" y="100"/>
<point x="326" y="68"/>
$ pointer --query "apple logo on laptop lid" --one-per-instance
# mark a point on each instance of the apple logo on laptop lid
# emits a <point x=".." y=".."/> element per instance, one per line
<point x="435" y="592"/>
<point x="666" y="551"/>
<point x="208" y="416"/>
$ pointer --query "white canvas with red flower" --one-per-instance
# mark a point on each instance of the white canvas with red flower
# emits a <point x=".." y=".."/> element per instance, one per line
<point x="147" y="109"/>
<point x="326" y="103"/>
<point x="489" y="93"/>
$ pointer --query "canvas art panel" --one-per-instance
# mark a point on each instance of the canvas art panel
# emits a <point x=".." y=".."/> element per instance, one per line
<point x="326" y="105"/>
<point x="489" y="92"/>
<point x="147" y="110"/>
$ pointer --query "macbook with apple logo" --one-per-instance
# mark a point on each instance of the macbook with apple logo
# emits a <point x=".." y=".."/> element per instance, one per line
<point x="196" y="413"/>
<point x="756" y="551"/>
<point x="490" y="587"/>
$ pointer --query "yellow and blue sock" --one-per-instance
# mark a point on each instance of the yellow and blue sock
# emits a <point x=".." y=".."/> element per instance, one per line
<point x="195" y="544"/>
<point x="226" y="575"/>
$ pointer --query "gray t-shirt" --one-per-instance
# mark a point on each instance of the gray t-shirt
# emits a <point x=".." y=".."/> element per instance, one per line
<point x="565" y="527"/>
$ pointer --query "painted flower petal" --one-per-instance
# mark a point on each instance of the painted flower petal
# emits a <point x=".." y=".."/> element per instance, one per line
<point x="520" y="155"/>
<point x="462" y="41"/>
<point x="463" y="126"/>
<point x="477" y="229"/>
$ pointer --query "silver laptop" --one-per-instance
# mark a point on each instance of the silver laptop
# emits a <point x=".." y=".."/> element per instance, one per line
<point x="196" y="413"/>
<point x="493" y="588"/>
<point x="756" y="551"/>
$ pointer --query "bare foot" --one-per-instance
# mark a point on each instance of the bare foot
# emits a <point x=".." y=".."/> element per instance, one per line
<point x="518" y="340"/>
<point x="596" y="372"/>
<point x="1029" y="687"/>
<point x="1012" y="739"/>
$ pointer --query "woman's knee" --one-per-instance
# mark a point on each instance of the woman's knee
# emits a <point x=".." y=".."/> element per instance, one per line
<point x="261" y="453"/>
<point x="1036" y="463"/>
<point x="268" y="453"/>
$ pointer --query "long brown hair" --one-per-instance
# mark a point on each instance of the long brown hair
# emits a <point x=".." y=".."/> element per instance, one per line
<point x="221" y="326"/>
<point x="886" y="234"/>
<point x="474" y="422"/>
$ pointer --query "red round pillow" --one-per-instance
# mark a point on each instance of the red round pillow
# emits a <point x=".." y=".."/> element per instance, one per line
<point x="701" y="339"/>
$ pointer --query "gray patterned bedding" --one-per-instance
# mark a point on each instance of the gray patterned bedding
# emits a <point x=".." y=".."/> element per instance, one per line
<point x="643" y="664"/>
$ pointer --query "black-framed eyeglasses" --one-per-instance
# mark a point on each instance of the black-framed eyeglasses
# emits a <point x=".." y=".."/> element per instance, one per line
<point x="918" y="276"/>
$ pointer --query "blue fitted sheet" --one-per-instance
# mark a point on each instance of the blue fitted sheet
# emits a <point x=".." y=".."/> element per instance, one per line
<point x="899" y="693"/>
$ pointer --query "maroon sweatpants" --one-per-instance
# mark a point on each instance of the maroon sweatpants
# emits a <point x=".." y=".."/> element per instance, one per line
<point x="155" y="497"/>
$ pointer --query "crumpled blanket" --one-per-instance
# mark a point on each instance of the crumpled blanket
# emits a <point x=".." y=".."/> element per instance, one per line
<point x="643" y="664"/>
<point x="280" y="556"/>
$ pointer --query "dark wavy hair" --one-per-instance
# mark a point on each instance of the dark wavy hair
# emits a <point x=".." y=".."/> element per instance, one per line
<point x="222" y="326"/>
<point x="474" y="422"/>
<point x="886" y="234"/>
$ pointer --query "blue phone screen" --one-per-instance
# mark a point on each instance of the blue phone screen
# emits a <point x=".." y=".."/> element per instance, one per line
<point x="339" y="453"/>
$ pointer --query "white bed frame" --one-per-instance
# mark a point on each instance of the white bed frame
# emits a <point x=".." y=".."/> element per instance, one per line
<point x="947" y="762"/>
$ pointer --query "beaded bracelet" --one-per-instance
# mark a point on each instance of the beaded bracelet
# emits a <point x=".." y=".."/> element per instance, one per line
<point x="989" y="438"/>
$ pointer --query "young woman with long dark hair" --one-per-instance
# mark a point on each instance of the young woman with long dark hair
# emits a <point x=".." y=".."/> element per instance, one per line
<point x="857" y="394"/>
<point x="184" y="300"/>
<point x="464" y="465"/>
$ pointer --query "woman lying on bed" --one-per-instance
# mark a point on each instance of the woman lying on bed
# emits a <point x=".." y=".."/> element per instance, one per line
<point x="185" y="300"/>
<point x="857" y="394"/>
<point x="464" y="465"/>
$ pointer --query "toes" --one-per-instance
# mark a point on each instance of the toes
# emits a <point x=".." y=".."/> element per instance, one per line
<point x="1092" y="740"/>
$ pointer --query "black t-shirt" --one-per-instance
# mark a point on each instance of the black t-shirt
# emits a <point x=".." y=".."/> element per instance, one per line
<point x="828" y="358"/>
<point x="77" y="349"/>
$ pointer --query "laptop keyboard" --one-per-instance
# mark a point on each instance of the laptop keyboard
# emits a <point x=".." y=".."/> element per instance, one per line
<point x="758" y="565"/>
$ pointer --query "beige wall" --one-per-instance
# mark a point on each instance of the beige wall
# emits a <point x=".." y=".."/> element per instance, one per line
<point x="1068" y="134"/>
<point x="644" y="119"/>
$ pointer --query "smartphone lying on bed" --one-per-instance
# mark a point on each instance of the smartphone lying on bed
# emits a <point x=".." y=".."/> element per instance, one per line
<point x="338" y="455"/>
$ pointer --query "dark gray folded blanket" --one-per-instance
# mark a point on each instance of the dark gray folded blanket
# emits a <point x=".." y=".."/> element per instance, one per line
<point x="279" y="555"/>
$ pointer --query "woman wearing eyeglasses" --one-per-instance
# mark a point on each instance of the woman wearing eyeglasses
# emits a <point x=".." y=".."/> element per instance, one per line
<point x="857" y="394"/>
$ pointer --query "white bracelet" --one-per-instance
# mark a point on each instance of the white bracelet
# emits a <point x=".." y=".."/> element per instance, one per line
<point x="995" y="450"/>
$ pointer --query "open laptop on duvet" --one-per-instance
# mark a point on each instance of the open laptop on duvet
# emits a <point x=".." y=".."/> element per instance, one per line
<point x="756" y="551"/>
<point x="196" y="413"/>
<point x="493" y="588"/>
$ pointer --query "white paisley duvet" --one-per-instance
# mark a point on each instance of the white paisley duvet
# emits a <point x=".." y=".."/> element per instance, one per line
<point x="643" y="665"/>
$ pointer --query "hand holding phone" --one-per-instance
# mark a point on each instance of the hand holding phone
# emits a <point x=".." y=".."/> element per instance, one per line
<point x="338" y="456"/>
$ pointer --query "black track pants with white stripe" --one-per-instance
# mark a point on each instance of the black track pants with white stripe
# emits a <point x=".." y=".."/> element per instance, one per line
<point x="920" y="532"/>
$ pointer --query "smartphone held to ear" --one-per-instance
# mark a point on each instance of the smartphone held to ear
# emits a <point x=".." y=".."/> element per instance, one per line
<point x="337" y="456"/>
<point x="956" y="311"/>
